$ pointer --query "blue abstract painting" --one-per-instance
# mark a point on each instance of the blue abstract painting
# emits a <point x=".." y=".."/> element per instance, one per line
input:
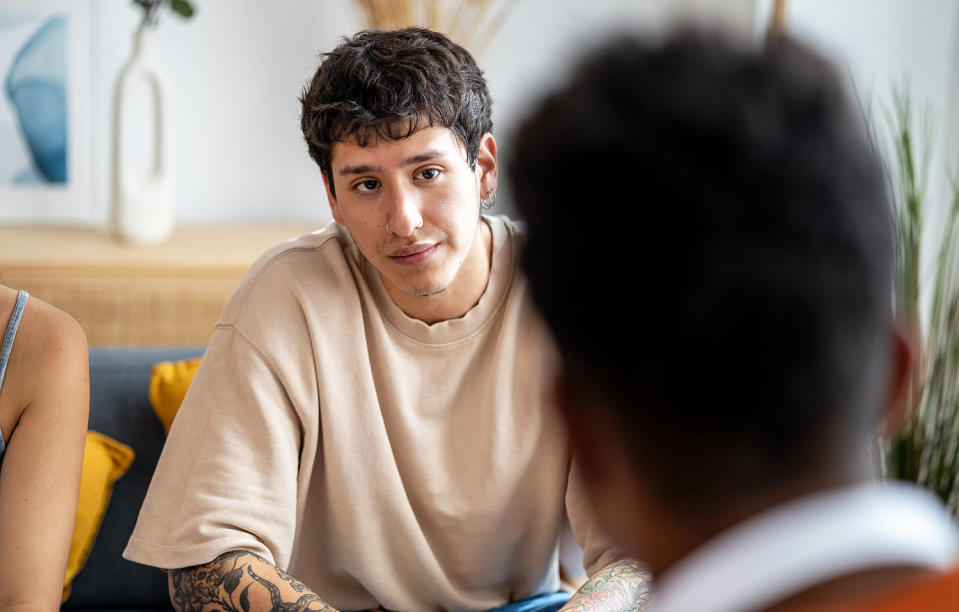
<point x="33" y="99"/>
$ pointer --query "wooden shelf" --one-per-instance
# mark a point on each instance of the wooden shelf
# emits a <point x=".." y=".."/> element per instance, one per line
<point x="126" y="295"/>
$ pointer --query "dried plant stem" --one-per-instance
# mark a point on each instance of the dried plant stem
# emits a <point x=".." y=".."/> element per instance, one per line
<point x="471" y="23"/>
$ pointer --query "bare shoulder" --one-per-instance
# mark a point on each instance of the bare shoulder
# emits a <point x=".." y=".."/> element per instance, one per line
<point x="40" y="318"/>
<point x="50" y="347"/>
<point x="51" y="335"/>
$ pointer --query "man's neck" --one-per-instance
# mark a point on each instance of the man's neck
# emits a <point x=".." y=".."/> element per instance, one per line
<point x="465" y="291"/>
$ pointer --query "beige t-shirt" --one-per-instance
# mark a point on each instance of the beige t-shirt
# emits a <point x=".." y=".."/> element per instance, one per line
<point x="380" y="460"/>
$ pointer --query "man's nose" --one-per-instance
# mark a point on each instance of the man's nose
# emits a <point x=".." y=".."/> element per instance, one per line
<point x="403" y="217"/>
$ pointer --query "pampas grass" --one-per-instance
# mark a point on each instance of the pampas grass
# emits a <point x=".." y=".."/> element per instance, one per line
<point x="470" y="23"/>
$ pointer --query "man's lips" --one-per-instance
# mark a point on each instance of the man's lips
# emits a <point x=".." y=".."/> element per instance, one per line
<point x="413" y="254"/>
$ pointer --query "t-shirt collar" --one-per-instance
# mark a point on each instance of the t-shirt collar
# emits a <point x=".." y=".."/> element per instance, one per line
<point x="800" y="544"/>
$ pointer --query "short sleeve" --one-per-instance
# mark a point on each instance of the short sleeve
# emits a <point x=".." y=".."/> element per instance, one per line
<point x="227" y="477"/>
<point x="599" y="549"/>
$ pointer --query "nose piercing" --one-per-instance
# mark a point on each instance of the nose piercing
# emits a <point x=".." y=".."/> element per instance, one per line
<point x="388" y="230"/>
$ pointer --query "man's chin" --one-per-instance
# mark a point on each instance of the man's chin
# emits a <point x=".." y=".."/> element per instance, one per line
<point x="424" y="292"/>
<point x="417" y="286"/>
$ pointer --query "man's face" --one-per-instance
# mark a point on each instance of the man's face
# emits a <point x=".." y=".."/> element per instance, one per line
<point x="423" y="189"/>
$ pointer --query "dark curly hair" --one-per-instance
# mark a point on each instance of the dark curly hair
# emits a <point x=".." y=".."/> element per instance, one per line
<point x="389" y="84"/>
<point x="710" y="239"/>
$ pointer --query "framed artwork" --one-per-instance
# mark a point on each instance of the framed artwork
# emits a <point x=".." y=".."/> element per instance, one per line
<point x="45" y="114"/>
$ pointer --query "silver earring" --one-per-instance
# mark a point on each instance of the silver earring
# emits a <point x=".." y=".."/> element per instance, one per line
<point x="490" y="199"/>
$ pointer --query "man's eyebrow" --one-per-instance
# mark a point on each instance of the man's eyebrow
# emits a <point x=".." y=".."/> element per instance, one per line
<point x="409" y="161"/>
<point x="423" y="157"/>
<point x="345" y="170"/>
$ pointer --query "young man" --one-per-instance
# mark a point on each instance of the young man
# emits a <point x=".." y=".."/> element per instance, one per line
<point x="371" y="426"/>
<point x="716" y="264"/>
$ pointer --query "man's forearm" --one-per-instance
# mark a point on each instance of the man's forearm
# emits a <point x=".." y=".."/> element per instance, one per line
<point x="240" y="582"/>
<point x="621" y="586"/>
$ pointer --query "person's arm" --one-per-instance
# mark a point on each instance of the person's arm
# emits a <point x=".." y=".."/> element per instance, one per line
<point x="47" y="382"/>
<point x="621" y="586"/>
<point x="616" y="582"/>
<point x="237" y="581"/>
<point x="241" y="491"/>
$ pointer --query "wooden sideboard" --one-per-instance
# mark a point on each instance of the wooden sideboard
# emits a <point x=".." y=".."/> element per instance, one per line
<point x="125" y="295"/>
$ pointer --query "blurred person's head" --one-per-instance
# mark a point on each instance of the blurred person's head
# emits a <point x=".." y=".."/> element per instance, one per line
<point x="399" y="124"/>
<point x="711" y="243"/>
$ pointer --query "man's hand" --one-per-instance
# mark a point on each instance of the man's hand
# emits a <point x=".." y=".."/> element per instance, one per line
<point x="622" y="586"/>
<point x="240" y="582"/>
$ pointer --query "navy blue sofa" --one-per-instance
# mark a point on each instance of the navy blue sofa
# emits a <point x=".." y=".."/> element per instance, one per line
<point x="120" y="408"/>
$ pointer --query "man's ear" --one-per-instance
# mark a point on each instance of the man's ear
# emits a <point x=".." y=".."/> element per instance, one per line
<point x="904" y="376"/>
<point x="334" y="206"/>
<point x="486" y="165"/>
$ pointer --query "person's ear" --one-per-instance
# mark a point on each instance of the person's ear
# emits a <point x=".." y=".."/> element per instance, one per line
<point x="334" y="206"/>
<point x="486" y="165"/>
<point x="905" y="375"/>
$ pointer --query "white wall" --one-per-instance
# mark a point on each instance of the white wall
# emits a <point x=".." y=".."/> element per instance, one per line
<point x="238" y="66"/>
<point x="236" y="69"/>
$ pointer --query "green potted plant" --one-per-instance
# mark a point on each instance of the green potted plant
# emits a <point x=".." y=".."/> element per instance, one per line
<point x="151" y="9"/>
<point x="926" y="449"/>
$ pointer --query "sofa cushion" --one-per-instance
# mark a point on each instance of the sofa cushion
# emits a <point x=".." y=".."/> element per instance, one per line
<point x="104" y="461"/>
<point x="169" y="383"/>
<point x="120" y="408"/>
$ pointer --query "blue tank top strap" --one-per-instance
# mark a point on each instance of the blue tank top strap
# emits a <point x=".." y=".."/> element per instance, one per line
<point x="7" y="346"/>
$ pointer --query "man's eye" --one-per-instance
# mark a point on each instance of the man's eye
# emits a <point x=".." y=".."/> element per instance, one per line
<point x="429" y="173"/>
<point x="367" y="185"/>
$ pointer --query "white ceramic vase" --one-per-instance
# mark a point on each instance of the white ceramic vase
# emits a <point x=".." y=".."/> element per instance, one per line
<point x="143" y="206"/>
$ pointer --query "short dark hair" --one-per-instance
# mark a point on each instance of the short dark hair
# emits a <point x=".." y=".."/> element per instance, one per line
<point x="389" y="84"/>
<point x="709" y="238"/>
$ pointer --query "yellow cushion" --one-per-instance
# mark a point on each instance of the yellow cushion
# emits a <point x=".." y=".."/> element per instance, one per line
<point x="104" y="461"/>
<point x="169" y="382"/>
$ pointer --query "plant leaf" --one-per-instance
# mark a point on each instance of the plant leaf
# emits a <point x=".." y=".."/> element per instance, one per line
<point x="182" y="7"/>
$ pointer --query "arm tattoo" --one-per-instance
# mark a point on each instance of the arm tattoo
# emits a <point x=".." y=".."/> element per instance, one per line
<point x="224" y="585"/>
<point x="621" y="586"/>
